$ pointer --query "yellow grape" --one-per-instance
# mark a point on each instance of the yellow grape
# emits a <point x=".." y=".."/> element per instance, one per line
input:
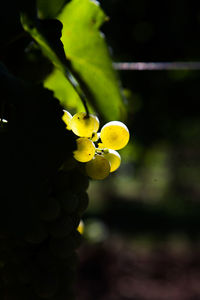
<point x="100" y="146"/>
<point x="114" y="135"/>
<point x="80" y="227"/>
<point x="98" y="168"/>
<point x="114" y="159"/>
<point x="95" y="136"/>
<point x="67" y="119"/>
<point x="84" y="125"/>
<point x="85" y="150"/>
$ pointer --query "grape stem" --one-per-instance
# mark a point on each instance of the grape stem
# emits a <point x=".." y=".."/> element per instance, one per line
<point x="71" y="78"/>
<point x="102" y="150"/>
<point x="99" y="151"/>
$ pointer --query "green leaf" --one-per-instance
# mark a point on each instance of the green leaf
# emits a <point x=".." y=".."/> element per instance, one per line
<point x="47" y="34"/>
<point x="63" y="91"/>
<point x="51" y="47"/>
<point x="86" y="48"/>
<point x="49" y="8"/>
<point x="88" y="66"/>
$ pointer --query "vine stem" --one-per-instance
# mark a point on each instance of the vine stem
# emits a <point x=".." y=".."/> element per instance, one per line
<point x="78" y="89"/>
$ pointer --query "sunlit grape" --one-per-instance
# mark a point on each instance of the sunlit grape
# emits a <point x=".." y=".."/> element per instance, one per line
<point x="85" y="150"/>
<point x="114" y="135"/>
<point x="67" y="119"/>
<point x="100" y="146"/>
<point x="81" y="227"/>
<point x="84" y="125"/>
<point x="95" y="136"/>
<point x="98" y="167"/>
<point x="114" y="159"/>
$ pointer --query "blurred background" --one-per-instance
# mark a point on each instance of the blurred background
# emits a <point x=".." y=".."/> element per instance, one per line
<point x="142" y="226"/>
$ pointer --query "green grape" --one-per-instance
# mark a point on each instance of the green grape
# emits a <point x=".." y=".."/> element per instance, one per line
<point x="75" y="219"/>
<point x="45" y="284"/>
<point x="73" y="180"/>
<point x="80" y="227"/>
<point x="114" y="135"/>
<point x="98" y="168"/>
<point x="69" y="201"/>
<point x="45" y="260"/>
<point x="64" y="247"/>
<point x="83" y="202"/>
<point x="85" y="150"/>
<point x="48" y="209"/>
<point x="37" y="234"/>
<point x="84" y="125"/>
<point x="78" y="181"/>
<point x="69" y="164"/>
<point x="67" y="119"/>
<point x="61" y="227"/>
<point x="114" y="159"/>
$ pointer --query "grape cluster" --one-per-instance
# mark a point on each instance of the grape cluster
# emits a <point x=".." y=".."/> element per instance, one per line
<point x="97" y="149"/>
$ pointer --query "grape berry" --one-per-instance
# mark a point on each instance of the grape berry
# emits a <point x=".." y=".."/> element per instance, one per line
<point x="84" y="125"/>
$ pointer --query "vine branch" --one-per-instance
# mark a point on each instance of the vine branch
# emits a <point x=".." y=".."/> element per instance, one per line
<point x="157" y="66"/>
